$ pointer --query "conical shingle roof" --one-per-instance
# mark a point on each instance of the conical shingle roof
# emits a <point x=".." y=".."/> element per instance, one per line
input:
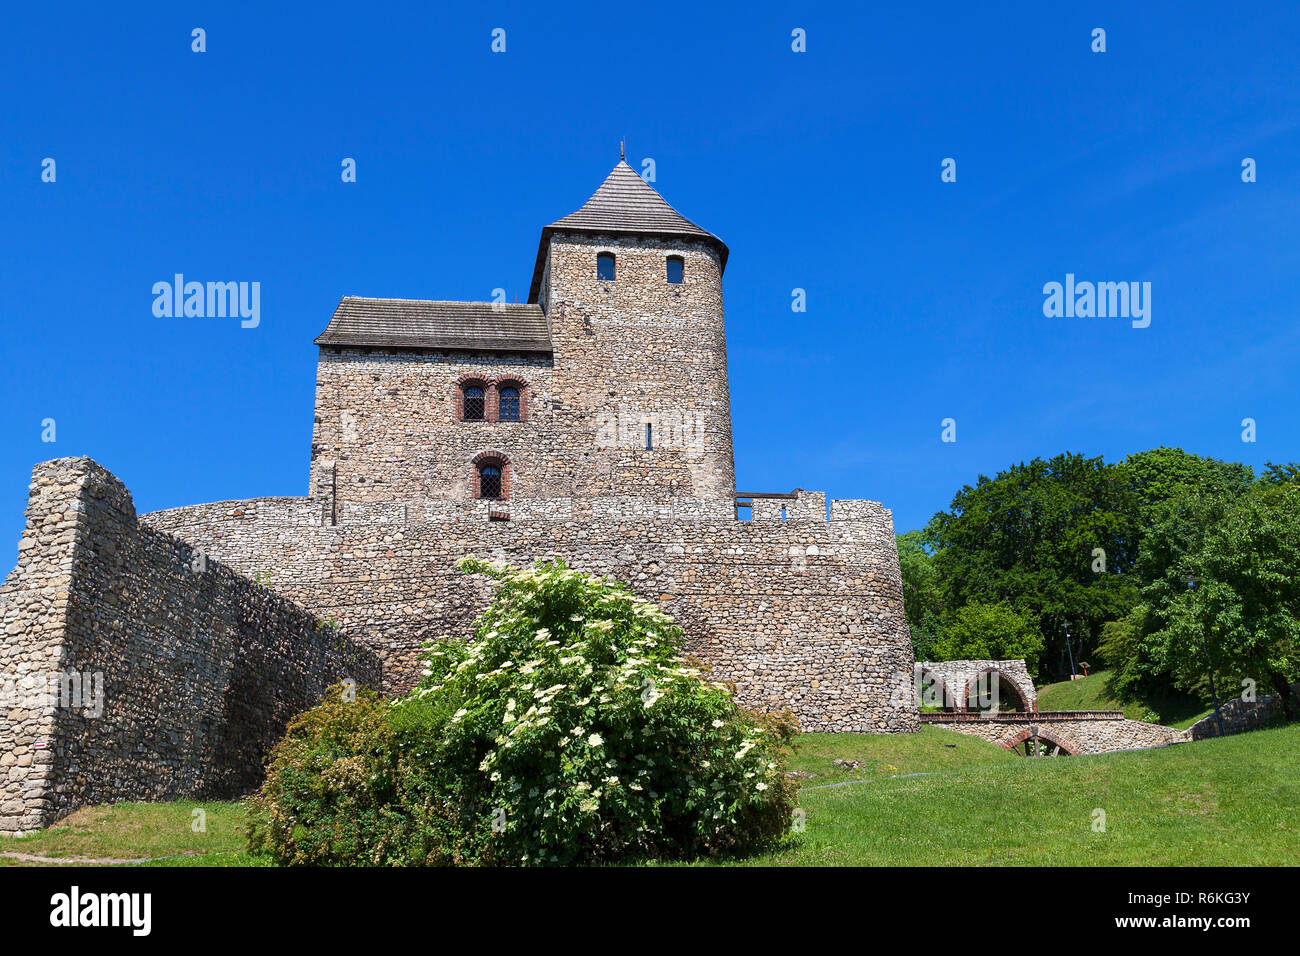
<point x="624" y="204"/>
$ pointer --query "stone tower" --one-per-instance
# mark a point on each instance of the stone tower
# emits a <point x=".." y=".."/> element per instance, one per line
<point x="632" y="292"/>
<point x="619" y="360"/>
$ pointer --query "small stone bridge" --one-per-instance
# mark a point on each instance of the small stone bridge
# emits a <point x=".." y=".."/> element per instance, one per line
<point x="1059" y="733"/>
<point x="997" y="700"/>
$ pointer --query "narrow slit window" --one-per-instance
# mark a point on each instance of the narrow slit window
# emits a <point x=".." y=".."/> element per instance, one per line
<point x="649" y="438"/>
<point x="605" y="266"/>
<point x="676" y="267"/>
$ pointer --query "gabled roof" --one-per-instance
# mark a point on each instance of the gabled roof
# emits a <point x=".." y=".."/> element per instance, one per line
<point x="625" y="204"/>
<point x="424" y="324"/>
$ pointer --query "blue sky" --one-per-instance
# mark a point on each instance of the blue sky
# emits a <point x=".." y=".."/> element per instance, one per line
<point x="821" y="170"/>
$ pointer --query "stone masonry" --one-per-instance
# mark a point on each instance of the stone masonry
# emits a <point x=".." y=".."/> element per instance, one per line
<point x="137" y="668"/>
<point x="592" y="423"/>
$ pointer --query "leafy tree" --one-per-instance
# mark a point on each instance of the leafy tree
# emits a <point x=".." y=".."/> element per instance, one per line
<point x="1053" y="539"/>
<point x="922" y="601"/>
<point x="1281" y="474"/>
<point x="1243" y="605"/>
<point x="1160" y="475"/>
<point x="990" y="632"/>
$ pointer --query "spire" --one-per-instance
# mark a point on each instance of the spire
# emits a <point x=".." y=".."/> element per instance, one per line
<point x="622" y="157"/>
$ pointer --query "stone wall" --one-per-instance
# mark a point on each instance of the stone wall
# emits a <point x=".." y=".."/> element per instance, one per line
<point x="804" y="613"/>
<point x="1075" y="733"/>
<point x="138" y="668"/>
<point x="630" y="353"/>
<point x="1239" y="716"/>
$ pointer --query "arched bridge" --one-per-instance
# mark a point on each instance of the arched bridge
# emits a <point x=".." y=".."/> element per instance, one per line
<point x="997" y="700"/>
<point x="976" y="685"/>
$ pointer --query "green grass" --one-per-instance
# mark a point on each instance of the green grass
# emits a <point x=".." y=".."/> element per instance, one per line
<point x="889" y="755"/>
<point x="133" y="831"/>
<point x="1232" y="801"/>
<point x="1093" y="693"/>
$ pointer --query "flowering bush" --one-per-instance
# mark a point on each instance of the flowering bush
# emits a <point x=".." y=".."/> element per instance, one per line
<point x="571" y="730"/>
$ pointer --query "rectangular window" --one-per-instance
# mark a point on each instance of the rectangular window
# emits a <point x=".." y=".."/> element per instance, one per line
<point x="509" y="405"/>
<point x="649" y="438"/>
<point x="474" y="405"/>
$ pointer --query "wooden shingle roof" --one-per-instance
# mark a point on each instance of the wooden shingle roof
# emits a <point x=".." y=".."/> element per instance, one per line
<point x="625" y="204"/>
<point x="424" y="324"/>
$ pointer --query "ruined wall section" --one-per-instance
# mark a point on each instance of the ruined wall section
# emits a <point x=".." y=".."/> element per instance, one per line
<point x="803" y="613"/>
<point x="185" y="671"/>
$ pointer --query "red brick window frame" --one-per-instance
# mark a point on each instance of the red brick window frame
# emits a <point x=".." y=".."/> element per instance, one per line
<point x="521" y="387"/>
<point x="491" y="397"/>
<point x="492" y="459"/>
<point x="465" y="383"/>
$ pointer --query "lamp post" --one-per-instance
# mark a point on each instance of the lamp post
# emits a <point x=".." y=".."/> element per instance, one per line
<point x="1070" y="649"/>
<point x="1191" y="580"/>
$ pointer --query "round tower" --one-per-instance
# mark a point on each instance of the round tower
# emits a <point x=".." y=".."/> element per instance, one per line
<point x="632" y="292"/>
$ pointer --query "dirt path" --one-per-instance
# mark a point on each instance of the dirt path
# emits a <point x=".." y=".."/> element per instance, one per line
<point x="91" y="860"/>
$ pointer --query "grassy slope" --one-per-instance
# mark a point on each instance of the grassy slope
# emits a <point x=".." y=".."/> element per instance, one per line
<point x="1232" y="802"/>
<point x="132" y="831"/>
<point x="889" y="755"/>
<point x="1091" y="693"/>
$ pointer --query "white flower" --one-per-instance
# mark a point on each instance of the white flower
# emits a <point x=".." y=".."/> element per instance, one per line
<point x="718" y="723"/>
<point x="760" y="786"/>
<point x="595" y="740"/>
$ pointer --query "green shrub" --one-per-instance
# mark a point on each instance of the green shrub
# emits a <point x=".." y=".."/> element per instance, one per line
<point x="571" y="730"/>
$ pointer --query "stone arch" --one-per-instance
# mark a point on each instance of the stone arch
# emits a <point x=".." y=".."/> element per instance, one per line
<point x="1006" y="682"/>
<point x="1063" y="744"/>
<point x="494" y="459"/>
<point x="948" y="701"/>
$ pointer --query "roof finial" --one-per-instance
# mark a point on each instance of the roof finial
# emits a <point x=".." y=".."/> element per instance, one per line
<point x="622" y="156"/>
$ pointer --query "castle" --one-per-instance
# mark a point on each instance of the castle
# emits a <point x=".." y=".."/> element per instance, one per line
<point x="591" y="423"/>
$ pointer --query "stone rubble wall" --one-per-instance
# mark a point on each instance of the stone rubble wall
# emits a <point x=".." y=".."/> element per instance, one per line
<point x="1088" y="735"/>
<point x="200" y="668"/>
<point x="805" y="613"/>
<point x="1240" y="715"/>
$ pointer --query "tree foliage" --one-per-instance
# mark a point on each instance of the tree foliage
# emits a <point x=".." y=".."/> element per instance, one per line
<point x="1238" y="613"/>
<point x="990" y="632"/>
<point x="1104" y="553"/>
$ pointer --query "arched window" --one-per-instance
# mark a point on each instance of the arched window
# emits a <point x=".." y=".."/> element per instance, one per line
<point x="509" y="404"/>
<point x="605" y="266"/>
<point x="473" y="405"/>
<point x="489" y="481"/>
<point x="676" y="266"/>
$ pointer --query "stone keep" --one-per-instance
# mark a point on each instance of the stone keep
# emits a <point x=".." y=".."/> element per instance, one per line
<point x="602" y="407"/>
